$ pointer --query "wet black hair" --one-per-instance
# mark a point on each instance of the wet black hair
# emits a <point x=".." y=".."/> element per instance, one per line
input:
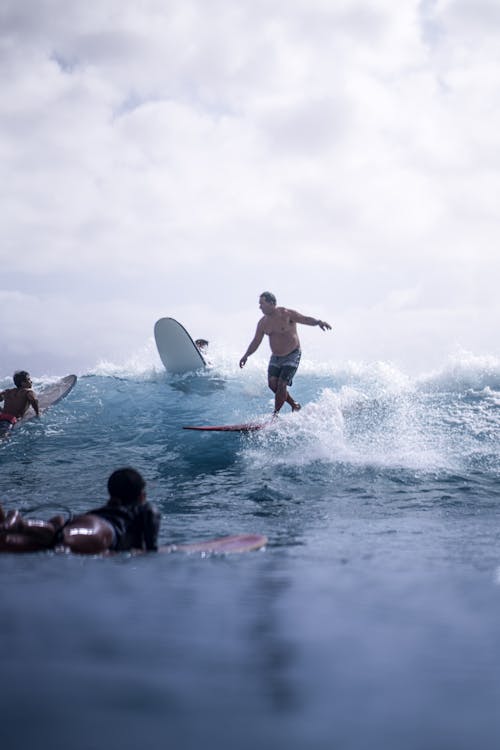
<point x="126" y="484"/>
<point x="19" y="378"/>
<point x="269" y="297"/>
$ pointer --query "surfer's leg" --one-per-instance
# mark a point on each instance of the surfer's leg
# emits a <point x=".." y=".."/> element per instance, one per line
<point x="279" y="388"/>
<point x="272" y="383"/>
<point x="43" y="531"/>
<point x="281" y="395"/>
<point x="12" y="520"/>
<point x="285" y="379"/>
<point x="23" y="542"/>
<point x="18" y="534"/>
<point x="289" y="400"/>
<point x="88" y="535"/>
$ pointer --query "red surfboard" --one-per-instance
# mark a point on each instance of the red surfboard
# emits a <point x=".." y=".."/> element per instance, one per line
<point x="245" y="427"/>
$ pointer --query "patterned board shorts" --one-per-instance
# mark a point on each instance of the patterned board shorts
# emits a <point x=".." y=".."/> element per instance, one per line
<point x="284" y="367"/>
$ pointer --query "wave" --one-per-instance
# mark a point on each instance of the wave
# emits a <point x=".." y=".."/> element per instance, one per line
<point x="463" y="372"/>
<point x="357" y="415"/>
<point x="459" y="373"/>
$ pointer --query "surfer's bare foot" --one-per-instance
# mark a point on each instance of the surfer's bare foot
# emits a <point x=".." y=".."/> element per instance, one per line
<point x="296" y="406"/>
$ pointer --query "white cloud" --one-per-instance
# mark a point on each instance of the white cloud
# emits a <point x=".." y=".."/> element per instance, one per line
<point x="166" y="154"/>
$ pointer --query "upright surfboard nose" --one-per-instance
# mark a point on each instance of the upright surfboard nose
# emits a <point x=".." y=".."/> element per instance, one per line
<point x="176" y="348"/>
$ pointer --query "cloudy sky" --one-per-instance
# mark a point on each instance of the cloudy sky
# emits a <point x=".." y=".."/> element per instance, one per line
<point x="178" y="157"/>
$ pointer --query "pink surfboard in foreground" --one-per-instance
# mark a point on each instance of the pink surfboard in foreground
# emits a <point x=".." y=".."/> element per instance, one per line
<point x="223" y="545"/>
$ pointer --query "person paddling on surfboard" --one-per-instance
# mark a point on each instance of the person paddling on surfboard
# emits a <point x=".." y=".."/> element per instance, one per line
<point x="17" y="400"/>
<point x="126" y="522"/>
<point x="280" y="324"/>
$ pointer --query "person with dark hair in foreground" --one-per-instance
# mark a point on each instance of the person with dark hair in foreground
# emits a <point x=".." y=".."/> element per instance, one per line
<point x="280" y="324"/>
<point x="127" y="521"/>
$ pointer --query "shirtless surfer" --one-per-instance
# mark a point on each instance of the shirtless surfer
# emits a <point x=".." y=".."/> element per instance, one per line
<point x="126" y="522"/>
<point x="17" y="400"/>
<point x="280" y="324"/>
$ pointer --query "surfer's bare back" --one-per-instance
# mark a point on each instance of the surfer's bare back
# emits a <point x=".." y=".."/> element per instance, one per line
<point x="280" y="324"/>
<point x="17" y="401"/>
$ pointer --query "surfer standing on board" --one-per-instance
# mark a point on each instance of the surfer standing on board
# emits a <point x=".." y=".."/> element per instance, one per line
<point x="18" y="400"/>
<point x="280" y="324"/>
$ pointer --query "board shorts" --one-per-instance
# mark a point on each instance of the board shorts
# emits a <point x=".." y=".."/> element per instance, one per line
<point x="7" y="422"/>
<point x="284" y="367"/>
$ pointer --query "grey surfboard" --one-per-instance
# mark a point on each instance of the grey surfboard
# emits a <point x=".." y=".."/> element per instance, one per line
<point x="178" y="352"/>
<point x="50" y="395"/>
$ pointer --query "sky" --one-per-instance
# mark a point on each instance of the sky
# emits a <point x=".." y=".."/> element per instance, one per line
<point x="179" y="157"/>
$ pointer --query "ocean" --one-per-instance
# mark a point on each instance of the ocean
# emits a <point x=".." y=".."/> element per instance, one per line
<point x="370" y="620"/>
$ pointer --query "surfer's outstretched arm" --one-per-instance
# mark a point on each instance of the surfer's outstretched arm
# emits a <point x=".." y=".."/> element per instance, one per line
<point x="306" y="320"/>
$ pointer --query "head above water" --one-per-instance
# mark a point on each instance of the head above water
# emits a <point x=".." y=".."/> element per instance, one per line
<point x="268" y="297"/>
<point x="20" y="378"/>
<point x="126" y="485"/>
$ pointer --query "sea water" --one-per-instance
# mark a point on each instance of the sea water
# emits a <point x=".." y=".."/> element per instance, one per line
<point x="371" y="619"/>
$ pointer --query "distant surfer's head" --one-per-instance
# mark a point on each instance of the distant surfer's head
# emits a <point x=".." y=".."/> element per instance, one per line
<point x="267" y="303"/>
<point x="20" y="377"/>
<point x="201" y="343"/>
<point x="126" y="485"/>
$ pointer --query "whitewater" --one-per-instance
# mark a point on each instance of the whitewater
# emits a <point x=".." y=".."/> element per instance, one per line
<point x="369" y="620"/>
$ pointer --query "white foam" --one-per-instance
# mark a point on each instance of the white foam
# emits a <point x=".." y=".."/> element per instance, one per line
<point x="463" y="371"/>
<point x="362" y="413"/>
<point x="144" y="363"/>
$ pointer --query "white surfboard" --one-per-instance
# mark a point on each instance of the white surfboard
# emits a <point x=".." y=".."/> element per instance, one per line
<point x="176" y="348"/>
<point x="50" y="395"/>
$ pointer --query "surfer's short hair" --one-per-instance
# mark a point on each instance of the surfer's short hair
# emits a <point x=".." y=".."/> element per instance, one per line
<point x="19" y="377"/>
<point x="126" y="484"/>
<point x="269" y="297"/>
